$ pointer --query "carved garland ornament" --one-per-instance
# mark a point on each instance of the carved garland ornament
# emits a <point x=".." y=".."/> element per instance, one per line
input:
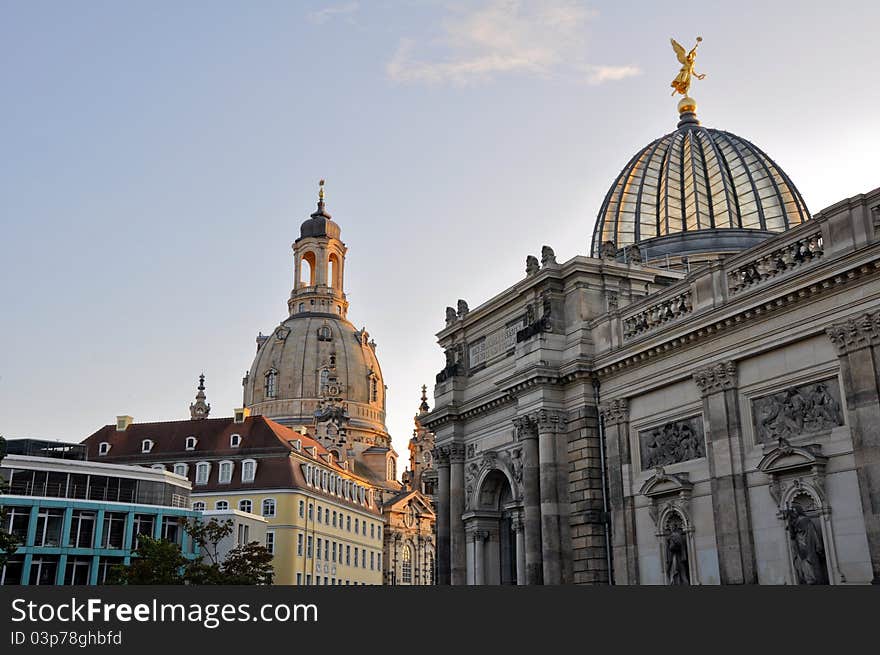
<point x="855" y="333"/>
<point x="717" y="377"/>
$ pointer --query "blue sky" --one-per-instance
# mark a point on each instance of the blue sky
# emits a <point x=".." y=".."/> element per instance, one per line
<point x="159" y="158"/>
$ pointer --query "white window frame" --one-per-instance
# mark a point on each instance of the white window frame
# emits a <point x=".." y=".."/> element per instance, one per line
<point x="253" y="475"/>
<point x="191" y="443"/>
<point x="203" y="466"/>
<point x="185" y="468"/>
<point x="220" y="476"/>
<point x="234" y="440"/>
<point x="246" y="500"/>
<point x="221" y="502"/>
<point x="199" y="506"/>
<point x="158" y="467"/>
<point x="270" y="541"/>
<point x="274" y="507"/>
<point x="103" y="448"/>
<point x="147" y="448"/>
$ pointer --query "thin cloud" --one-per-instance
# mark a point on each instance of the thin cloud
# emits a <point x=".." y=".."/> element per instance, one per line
<point x="321" y="16"/>
<point x="540" y="38"/>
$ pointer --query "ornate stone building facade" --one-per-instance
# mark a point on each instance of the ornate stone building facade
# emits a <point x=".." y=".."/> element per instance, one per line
<point x="695" y="403"/>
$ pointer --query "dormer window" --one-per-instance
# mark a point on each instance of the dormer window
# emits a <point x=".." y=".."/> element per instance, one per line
<point x="203" y="470"/>
<point x="324" y="333"/>
<point x="225" y="472"/>
<point x="146" y="446"/>
<point x="181" y="469"/>
<point x="191" y="443"/>
<point x="248" y="470"/>
<point x="235" y="441"/>
<point x="271" y="383"/>
<point x="103" y="448"/>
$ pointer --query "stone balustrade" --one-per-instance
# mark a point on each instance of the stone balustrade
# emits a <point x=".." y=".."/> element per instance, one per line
<point x="657" y="314"/>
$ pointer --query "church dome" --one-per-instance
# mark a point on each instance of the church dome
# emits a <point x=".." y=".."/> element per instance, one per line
<point x="313" y="357"/>
<point x="697" y="190"/>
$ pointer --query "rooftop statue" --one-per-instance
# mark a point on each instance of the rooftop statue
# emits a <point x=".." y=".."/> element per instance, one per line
<point x="682" y="82"/>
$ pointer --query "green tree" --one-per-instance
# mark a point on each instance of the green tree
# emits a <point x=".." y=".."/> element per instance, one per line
<point x="154" y="561"/>
<point x="8" y="541"/>
<point x="248" y="564"/>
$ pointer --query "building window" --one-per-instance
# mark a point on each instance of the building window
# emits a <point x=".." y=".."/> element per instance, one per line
<point x="407" y="565"/>
<point x="299" y="578"/>
<point x="357" y="525"/>
<point x="348" y="523"/>
<point x="114" y="530"/>
<point x="103" y="448"/>
<point x="327" y="516"/>
<point x="309" y="551"/>
<point x="181" y="469"/>
<point x="311" y="512"/>
<point x="269" y="507"/>
<point x="235" y="441"/>
<point x="372" y="560"/>
<point x="364" y="557"/>
<point x="334" y="551"/>
<point x="49" y="524"/>
<point x="355" y="557"/>
<point x="198" y="506"/>
<point x="203" y="470"/>
<point x="248" y="470"/>
<point x="372" y="530"/>
<point x="379" y="532"/>
<point x="302" y="307"/>
<point x="191" y="443"/>
<point x="348" y="555"/>
<point x="299" y="544"/>
<point x="302" y="509"/>
<point x="82" y="529"/>
<point x="364" y="526"/>
<point x="271" y="382"/>
<point x="334" y="518"/>
<point x="246" y="505"/>
<point x="221" y="505"/>
<point x="320" y="514"/>
<point x="158" y="467"/>
<point x="146" y="446"/>
<point x="225" y="476"/>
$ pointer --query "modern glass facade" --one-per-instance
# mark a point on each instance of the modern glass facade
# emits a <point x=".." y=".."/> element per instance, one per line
<point x="75" y="520"/>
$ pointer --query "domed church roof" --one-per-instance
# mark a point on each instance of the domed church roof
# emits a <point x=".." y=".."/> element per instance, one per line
<point x="697" y="190"/>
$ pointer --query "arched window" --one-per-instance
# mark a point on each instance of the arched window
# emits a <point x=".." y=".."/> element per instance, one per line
<point x="246" y="505"/>
<point x="271" y="383"/>
<point x="392" y="468"/>
<point x="301" y="308"/>
<point x="325" y="378"/>
<point x="103" y="448"/>
<point x="198" y="506"/>
<point x="406" y="568"/>
<point x="235" y="441"/>
<point x="221" y="505"/>
<point x="269" y="507"/>
<point x="324" y="333"/>
<point x="307" y="270"/>
<point x="333" y="271"/>
<point x="146" y="446"/>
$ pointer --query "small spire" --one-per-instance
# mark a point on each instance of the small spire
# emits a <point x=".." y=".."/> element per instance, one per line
<point x="423" y="408"/>
<point x="321" y="194"/>
<point x="200" y="409"/>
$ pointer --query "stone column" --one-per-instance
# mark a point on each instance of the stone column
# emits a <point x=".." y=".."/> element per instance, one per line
<point x="527" y="433"/>
<point x="457" y="541"/>
<point x="479" y="537"/>
<point x="621" y="503"/>
<point x="442" y="562"/>
<point x="551" y="546"/>
<point x="518" y="528"/>
<point x="858" y="348"/>
<point x="724" y="451"/>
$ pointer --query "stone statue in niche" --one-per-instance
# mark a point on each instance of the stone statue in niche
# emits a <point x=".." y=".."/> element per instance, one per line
<point x="676" y="441"/>
<point x="807" y="547"/>
<point x="516" y="462"/>
<point x="804" y="409"/>
<point x="470" y="479"/>
<point x="676" y="553"/>
<point x="532" y="265"/>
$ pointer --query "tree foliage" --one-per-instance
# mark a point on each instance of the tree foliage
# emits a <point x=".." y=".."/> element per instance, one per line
<point x="160" y="562"/>
<point x="8" y="541"/>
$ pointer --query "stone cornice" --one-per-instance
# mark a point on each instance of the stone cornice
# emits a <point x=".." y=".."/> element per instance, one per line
<point x="715" y="378"/>
<point x="615" y="411"/>
<point x="856" y="333"/>
<point x="702" y="324"/>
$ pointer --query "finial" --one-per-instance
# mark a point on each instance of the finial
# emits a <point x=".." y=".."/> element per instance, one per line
<point x="423" y="408"/>
<point x="687" y="106"/>
<point x="201" y="386"/>
<point x="200" y="408"/>
<point x="320" y="192"/>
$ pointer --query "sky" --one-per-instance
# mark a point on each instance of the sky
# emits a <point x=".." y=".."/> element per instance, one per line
<point x="159" y="158"/>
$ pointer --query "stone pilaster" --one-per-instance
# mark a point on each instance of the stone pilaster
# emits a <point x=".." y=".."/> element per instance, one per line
<point x="624" y="550"/>
<point x="457" y="540"/>
<point x="518" y="526"/>
<point x="858" y="349"/>
<point x="441" y="458"/>
<point x="479" y="538"/>
<point x="724" y="451"/>
<point x="527" y="433"/>
<point x="551" y="539"/>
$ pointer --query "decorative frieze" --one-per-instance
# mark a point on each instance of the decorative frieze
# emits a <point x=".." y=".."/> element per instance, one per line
<point x="855" y="333"/>
<point x="526" y="428"/>
<point x="658" y="314"/>
<point x="799" y="410"/>
<point x="615" y="411"/>
<point x="456" y="452"/>
<point x="715" y="378"/>
<point x="672" y="442"/>
<point x="790" y="256"/>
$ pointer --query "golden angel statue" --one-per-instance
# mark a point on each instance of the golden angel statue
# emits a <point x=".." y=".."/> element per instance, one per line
<point x="682" y="82"/>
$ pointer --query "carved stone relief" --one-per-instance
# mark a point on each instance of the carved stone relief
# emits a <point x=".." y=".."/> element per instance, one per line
<point x="800" y="410"/>
<point x="673" y="442"/>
